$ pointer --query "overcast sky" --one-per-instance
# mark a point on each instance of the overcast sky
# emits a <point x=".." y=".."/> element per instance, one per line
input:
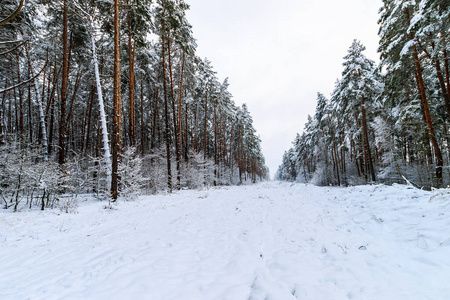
<point x="279" y="53"/>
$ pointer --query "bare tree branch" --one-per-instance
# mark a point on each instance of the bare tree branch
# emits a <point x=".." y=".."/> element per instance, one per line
<point x="23" y="82"/>
<point x="9" y="51"/>
<point x="13" y="15"/>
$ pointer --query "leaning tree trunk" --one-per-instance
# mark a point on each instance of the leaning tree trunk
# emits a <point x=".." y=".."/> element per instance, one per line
<point x="104" y="126"/>
<point x="429" y="121"/>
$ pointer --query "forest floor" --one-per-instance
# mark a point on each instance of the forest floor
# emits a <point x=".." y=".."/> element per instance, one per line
<point x="272" y="240"/>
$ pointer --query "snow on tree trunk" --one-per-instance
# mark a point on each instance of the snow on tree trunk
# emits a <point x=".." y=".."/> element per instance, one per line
<point x="107" y="154"/>
<point x="41" y="119"/>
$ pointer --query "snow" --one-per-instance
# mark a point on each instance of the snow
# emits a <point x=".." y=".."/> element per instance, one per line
<point x="272" y="240"/>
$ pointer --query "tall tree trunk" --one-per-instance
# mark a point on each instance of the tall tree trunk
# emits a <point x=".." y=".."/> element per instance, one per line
<point x="104" y="125"/>
<point x="117" y="107"/>
<point x="65" y="79"/>
<point x="444" y="90"/>
<point x="445" y="94"/>
<point x="142" y="118"/>
<point x="30" y="114"/>
<point x="131" y="54"/>
<point x="21" y="126"/>
<point x="195" y="141"/>
<point x="155" y="119"/>
<point x="205" y="137"/>
<point x="335" y="152"/>
<point x="366" y="139"/>
<point x="2" y="117"/>
<point x="429" y="121"/>
<point x="88" y="119"/>
<point x="447" y="71"/>
<point x="180" y="108"/>
<point x="186" y="133"/>
<point x="41" y="120"/>
<point x="75" y="89"/>
<point x="50" y="128"/>
<point x="175" y="119"/>
<point x="215" y="143"/>
<point x="166" y="116"/>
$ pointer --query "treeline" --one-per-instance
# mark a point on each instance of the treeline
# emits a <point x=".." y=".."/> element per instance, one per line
<point x="100" y="95"/>
<point x="387" y="123"/>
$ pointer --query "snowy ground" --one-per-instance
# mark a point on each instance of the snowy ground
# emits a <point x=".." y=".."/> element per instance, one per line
<point x="269" y="241"/>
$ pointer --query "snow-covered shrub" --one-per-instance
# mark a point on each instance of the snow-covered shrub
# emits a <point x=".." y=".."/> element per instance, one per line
<point x="68" y="204"/>
<point x="95" y="178"/>
<point x="132" y="180"/>
<point x="154" y="168"/>
<point x="199" y="171"/>
<point x="26" y="176"/>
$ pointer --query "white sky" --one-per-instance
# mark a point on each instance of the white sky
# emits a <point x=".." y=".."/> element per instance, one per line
<point x="279" y="53"/>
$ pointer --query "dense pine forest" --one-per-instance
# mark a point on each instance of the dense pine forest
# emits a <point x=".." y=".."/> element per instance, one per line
<point x="389" y="122"/>
<point x="110" y="98"/>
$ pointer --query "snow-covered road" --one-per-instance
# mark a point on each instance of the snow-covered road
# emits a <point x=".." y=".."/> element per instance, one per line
<point x="269" y="241"/>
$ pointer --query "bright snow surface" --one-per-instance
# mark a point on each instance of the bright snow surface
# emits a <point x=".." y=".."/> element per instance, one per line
<point x="268" y="241"/>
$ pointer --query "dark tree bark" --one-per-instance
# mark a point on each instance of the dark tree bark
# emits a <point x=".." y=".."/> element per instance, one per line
<point x="132" y="121"/>
<point x="166" y="115"/>
<point x="65" y="79"/>
<point x="176" y="124"/>
<point x="429" y="121"/>
<point x="367" y="151"/>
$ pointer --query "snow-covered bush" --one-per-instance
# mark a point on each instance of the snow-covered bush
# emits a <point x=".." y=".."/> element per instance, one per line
<point x="132" y="179"/>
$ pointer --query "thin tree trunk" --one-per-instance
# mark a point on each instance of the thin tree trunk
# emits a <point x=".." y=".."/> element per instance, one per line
<point x="195" y="142"/>
<point x="50" y="130"/>
<point x="2" y="117"/>
<point x="445" y="95"/>
<point x="205" y="137"/>
<point x="132" y="121"/>
<point x="51" y="94"/>
<point x="335" y="152"/>
<point x="447" y="71"/>
<point x="30" y="114"/>
<point x="166" y="116"/>
<point x="75" y="89"/>
<point x="175" y="119"/>
<point x="215" y="144"/>
<point x="21" y="124"/>
<point x="40" y="108"/>
<point x="87" y="125"/>
<point x="366" y="139"/>
<point x="186" y="133"/>
<point x="42" y="121"/>
<point x="65" y="78"/>
<point x="142" y="118"/>
<point x="180" y="108"/>
<point x="155" y="119"/>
